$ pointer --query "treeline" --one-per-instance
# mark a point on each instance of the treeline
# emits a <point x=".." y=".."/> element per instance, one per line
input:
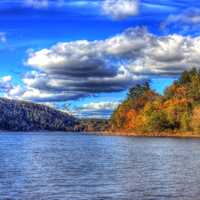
<point x="145" y="111"/>
<point x="26" y="116"/>
<point x="92" y="125"/>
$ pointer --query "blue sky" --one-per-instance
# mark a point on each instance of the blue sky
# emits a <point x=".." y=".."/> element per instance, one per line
<point x="86" y="53"/>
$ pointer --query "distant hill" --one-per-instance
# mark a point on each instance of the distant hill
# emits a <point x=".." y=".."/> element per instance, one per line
<point x="26" y="116"/>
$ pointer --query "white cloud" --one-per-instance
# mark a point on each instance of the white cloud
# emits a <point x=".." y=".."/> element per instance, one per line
<point x="6" y="79"/>
<point x="96" y="109"/>
<point x="5" y="84"/>
<point x="38" y="4"/>
<point x="77" y="69"/>
<point x="120" y="9"/>
<point x="15" y="92"/>
<point x="189" y="17"/>
<point x="167" y="55"/>
<point x="3" y="38"/>
<point x="96" y="106"/>
<point x="82" y="68"/>
<point x="43" y="4"/>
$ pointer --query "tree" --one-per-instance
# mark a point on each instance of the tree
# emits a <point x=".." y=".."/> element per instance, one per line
<point x="154" y="118"/>
<point x="178" y="109"/>
<point x="124" y="118"/>
<point x="186" y="76"/>
<point x="185" y="121"/>
<point x="195" y="122"/>
<point x="138" y="90"/>
<point x="176" y="91"/>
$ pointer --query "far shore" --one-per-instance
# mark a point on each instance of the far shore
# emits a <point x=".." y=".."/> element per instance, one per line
<point x="161" y="135"/>
<point x="119" y="133"/>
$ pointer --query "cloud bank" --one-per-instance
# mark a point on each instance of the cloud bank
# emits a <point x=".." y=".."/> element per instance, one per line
<point x="72" y="70"/>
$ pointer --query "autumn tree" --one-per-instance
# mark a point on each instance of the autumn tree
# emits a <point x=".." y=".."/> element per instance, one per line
<point x="153" y="117"/>
<point x="195" y="122"/>
<point x="126" y="115"/>
<point x="178" y="109"/>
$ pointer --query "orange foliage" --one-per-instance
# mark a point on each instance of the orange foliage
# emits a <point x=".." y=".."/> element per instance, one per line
<point x="178" y="109"/>
<point x="130" y="120"/>
<point x="195" y="122"/>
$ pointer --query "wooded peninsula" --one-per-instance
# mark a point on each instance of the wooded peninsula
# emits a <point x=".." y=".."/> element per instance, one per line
<point x="175" y="113"/>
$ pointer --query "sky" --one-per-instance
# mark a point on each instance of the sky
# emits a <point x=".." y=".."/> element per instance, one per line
<point x="84" y="55"/>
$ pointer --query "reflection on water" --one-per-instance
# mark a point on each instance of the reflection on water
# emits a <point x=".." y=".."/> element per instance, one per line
<point x="77" y="167"/>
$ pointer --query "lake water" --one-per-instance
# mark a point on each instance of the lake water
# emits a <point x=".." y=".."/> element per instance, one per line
<point x="60" y="166"/>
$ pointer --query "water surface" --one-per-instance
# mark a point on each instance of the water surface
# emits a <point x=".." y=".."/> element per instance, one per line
<point x="59" y="166"/>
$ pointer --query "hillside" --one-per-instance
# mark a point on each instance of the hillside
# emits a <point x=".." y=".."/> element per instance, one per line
<point x="26" y="116"/>
<point x="145" y="112"/>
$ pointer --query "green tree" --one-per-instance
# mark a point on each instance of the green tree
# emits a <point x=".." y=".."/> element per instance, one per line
<point x="155" y="119"/>
<point x="138" y="90"/>
<point x="185" y="121"/>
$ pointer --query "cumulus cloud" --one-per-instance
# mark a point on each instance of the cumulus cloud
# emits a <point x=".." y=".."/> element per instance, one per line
<point x="48" y="87"/>
<point x="81" y="68"/>
<point x="72" y="58"/>
<point x="120" y="9"/>
<point x="72" y="70"/>
<point x="96" y="109"/>
<point x="167" y="55"/>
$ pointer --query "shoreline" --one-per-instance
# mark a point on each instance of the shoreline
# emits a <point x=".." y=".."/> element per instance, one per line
<point x="121" y="134"/>
<point x="158" y="135"/>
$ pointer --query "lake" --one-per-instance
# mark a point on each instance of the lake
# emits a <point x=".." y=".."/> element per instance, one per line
<point x="58" y="166"/>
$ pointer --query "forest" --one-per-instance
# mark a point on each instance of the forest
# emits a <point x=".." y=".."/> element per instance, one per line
<point x="175" y="112"/>
<point x="26" y="116"/>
